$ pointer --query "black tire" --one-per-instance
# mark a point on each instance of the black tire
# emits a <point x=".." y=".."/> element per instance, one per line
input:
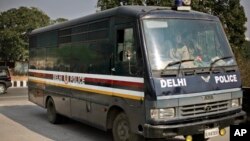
<point x="121" y="129"/>
<point x="2" y="88"/>
<point x="53" y="117"/>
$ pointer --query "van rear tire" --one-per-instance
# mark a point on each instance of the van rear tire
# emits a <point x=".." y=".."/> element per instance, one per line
<point x="52" y="115"/>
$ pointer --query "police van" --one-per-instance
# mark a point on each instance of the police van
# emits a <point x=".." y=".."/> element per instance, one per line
<point x="138" y="71"/>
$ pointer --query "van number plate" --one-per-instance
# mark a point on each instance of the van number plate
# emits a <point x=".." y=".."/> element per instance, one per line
<point x="211" y="132"/>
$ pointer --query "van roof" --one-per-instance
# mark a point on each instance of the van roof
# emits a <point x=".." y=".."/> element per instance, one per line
<point x="130" y="11"/>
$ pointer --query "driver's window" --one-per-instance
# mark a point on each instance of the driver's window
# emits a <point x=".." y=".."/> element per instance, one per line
<point x="126" y="52"/>
<point x="125" y="45"/>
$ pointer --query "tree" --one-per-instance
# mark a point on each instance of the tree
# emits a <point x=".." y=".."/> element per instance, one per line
<point x="107" y="4"/>
<point x="11" y="46"/>
<point x="15" y="24"/>
<point x="243" y="60"/>
<point x="230" y="12"/>
<point x="59" y="20"/>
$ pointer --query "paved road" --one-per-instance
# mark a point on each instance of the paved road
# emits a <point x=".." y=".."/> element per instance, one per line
<point x="23" y="121"/>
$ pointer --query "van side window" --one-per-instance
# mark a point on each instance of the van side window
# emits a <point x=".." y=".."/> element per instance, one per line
<point x="126" y="53"/>
<point x="125" y="45"/>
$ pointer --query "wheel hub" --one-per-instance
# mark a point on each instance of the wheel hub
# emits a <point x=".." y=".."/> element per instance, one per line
<point x="123" y="131"/>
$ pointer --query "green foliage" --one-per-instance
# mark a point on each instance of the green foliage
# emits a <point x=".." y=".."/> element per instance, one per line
<point x="58" y="20"/>
<point x="107" y="4"/>
<point x="12" y="46"/>
<point x="15" y="24"/>
<point x="243" y="59"/>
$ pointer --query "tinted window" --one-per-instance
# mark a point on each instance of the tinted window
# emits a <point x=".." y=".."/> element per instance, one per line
<point x="4" y="72"/>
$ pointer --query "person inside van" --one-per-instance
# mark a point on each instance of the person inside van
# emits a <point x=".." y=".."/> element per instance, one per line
<point x="180" y="50"/>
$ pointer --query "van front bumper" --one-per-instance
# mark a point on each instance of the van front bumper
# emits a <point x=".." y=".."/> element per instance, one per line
<point x="168" y="131"/>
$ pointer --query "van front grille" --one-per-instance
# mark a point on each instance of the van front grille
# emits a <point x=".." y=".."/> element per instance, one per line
<point x="204" y="108"/>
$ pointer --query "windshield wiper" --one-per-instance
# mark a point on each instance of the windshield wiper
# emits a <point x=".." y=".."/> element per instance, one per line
<point x="175" y="63"/>
<point x="216" y="60"/>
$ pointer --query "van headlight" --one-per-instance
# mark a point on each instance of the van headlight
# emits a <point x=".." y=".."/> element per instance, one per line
<point x="236" y="102"/>
<point x="162" y="114"/>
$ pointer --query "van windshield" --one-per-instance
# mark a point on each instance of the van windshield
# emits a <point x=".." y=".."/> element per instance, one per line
<point x="171" y="40"/>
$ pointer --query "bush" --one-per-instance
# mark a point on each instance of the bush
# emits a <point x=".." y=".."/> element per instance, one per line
<point x="243" y="59"/>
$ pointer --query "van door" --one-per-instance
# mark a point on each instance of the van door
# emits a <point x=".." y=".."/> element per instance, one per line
<point x="128" y="79"/>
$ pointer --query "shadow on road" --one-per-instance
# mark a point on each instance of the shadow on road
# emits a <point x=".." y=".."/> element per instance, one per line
<point x="34" y="118"/>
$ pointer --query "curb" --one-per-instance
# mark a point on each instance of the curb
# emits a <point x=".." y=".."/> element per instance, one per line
<point x="18" y="84"/>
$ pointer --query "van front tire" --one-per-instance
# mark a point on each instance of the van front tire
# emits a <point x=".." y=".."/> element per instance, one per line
<point x="121" y="129"/>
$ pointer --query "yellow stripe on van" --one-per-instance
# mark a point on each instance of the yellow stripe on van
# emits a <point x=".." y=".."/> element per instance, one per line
<point x="88" y="90"/>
